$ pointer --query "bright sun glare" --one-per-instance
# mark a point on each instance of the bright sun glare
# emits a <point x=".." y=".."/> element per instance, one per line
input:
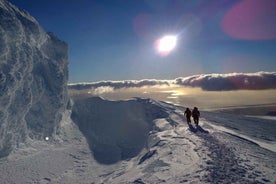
<point x="166" y="44"/>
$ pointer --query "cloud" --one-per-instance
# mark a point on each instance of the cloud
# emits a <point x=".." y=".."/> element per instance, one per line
<point x="101" y="90"/>
<point x="207" y="82"/>
<point x="231" y="81"/>
<point x="119" y="84"/>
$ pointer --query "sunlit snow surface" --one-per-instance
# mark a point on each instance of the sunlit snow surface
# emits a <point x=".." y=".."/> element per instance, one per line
<point x="215" y="152"/>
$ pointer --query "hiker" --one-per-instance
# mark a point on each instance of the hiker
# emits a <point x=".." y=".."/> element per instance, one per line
<point x="195" y="114"/>
<point x="188" y="114"/>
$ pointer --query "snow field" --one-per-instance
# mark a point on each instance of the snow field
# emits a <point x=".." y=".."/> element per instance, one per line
<point x="173" y="152"/>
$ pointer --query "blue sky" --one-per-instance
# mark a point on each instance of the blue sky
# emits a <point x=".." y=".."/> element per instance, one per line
<point x="114" y="39"/>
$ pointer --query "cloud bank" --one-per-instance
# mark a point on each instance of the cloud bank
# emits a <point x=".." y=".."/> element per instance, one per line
<point x="207" y="82"/>
<point x="119" y="84"/>
<point x="101" y="90"/>
<point x="231" y="81"/>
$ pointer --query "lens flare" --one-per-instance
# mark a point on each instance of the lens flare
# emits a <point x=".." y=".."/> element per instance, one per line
<point x="251" y="20"/>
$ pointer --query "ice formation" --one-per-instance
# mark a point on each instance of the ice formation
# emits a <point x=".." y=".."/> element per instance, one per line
<point x="33" y="79"/>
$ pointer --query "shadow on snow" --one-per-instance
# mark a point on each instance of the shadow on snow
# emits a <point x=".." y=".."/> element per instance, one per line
<point x="115" y="130"/>
<point x="197" y="128"/>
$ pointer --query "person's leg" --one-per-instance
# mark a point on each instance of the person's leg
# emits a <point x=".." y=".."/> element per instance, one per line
<point x="195" y="120"/>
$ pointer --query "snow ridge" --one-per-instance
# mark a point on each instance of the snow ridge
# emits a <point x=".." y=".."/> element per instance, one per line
<point x="177" y="153"/>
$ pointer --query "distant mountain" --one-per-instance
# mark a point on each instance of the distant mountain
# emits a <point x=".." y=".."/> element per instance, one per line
<point x="33" y="78"/>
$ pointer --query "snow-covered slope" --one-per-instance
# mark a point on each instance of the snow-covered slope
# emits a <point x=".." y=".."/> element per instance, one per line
<point x="168" y="151"/>
<point x="115" y="130"/>
<point x="33" y="79"/>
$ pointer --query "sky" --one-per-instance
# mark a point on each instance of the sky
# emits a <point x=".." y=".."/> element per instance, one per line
<point x="116" y="39"/>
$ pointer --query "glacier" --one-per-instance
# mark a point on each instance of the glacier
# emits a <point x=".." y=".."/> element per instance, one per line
<point x="33" y="79"/>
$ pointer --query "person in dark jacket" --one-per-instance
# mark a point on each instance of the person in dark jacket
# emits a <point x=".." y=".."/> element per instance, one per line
<point x="188" y="114"/>
<point x="195" y="114"/>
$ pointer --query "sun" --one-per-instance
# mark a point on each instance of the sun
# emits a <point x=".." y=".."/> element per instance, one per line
<point x="166" y="44"/>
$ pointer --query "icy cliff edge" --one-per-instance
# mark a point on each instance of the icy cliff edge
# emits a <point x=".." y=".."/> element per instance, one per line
<point x="33" y="79"/>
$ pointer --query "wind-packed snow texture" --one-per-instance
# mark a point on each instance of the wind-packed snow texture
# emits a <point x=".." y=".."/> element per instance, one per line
<point x="33" y="79"/>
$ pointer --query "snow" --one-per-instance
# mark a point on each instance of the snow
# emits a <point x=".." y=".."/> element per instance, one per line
<point x="101" y="141"/>
<point x="265" y="117"/>
<point x="270" y="146"/>
<point x="33" y="79"/>
<point x="173" y="152"/>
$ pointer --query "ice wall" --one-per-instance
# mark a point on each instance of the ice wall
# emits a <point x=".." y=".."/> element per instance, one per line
<point x="33" y="79"/>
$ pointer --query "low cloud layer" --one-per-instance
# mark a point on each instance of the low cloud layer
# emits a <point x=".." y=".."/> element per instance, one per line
<point x="207" y="82"/>
<point x="120" y="84"/>
<point x="232" y="81"/>
<point x="101" y="90"/>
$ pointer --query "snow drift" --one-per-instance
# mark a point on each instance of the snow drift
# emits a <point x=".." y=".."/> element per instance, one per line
<point x="115" y="130"/>
<point x="33" y="79"/>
